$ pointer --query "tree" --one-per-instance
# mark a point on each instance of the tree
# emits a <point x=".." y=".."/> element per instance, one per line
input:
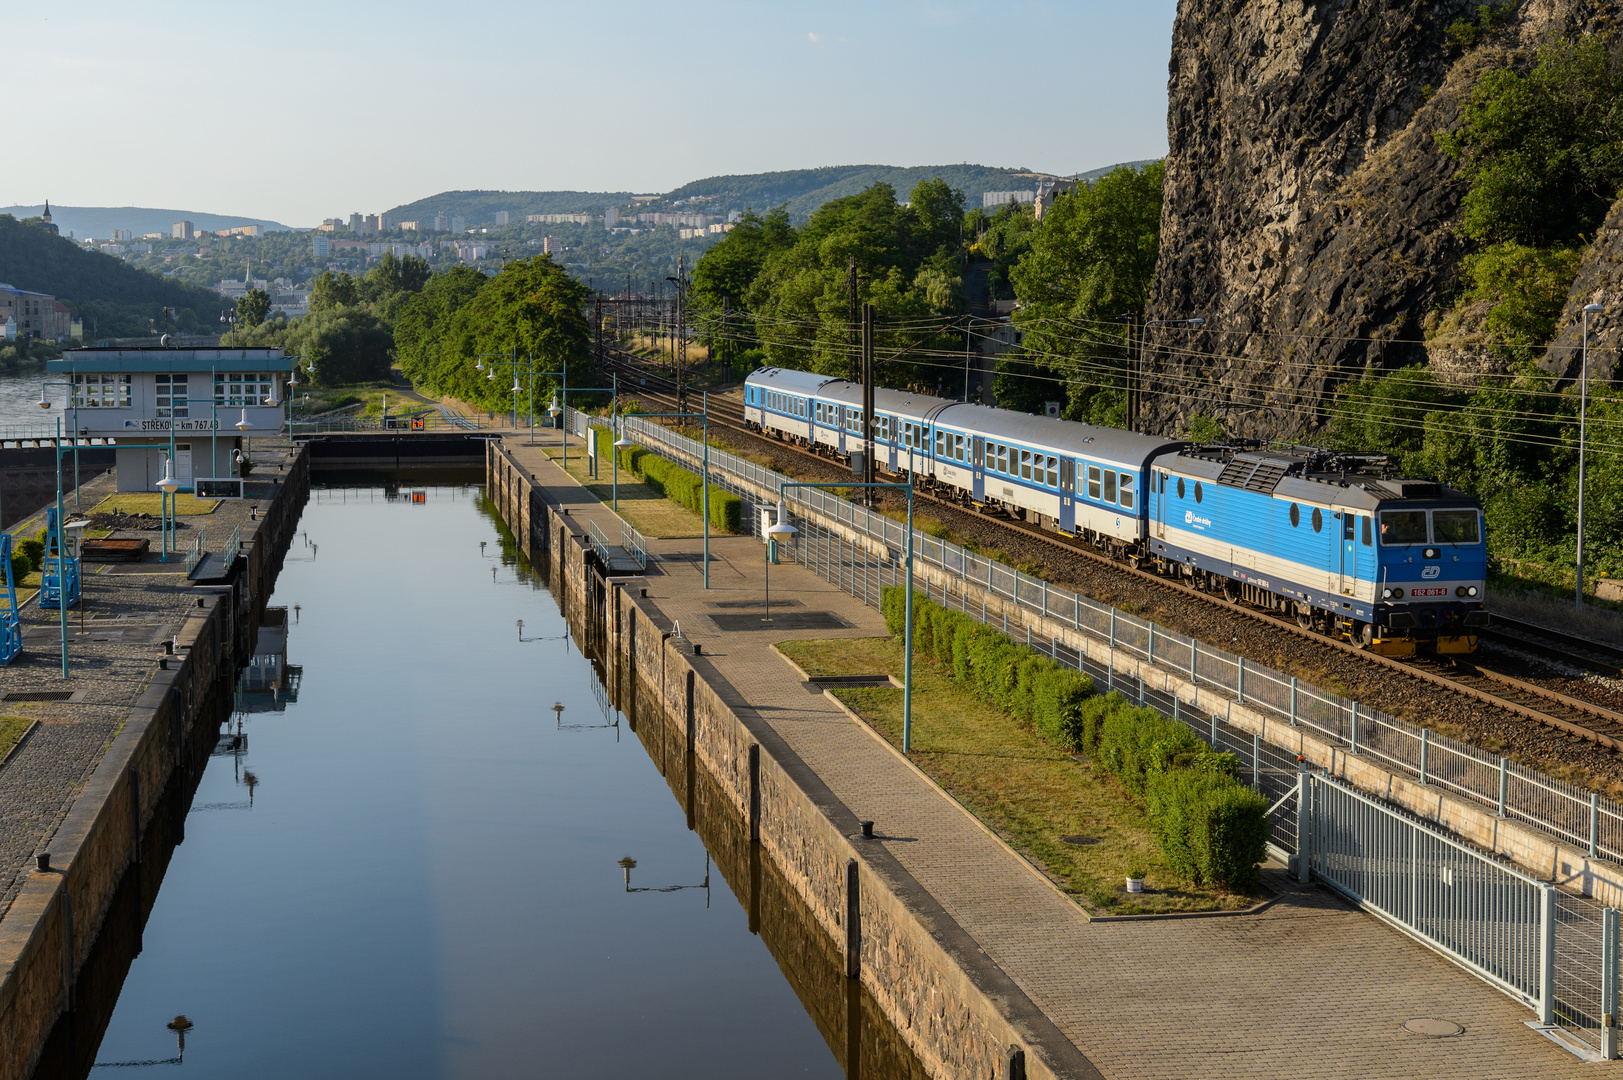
<point x="425" y="341"/>
<point x="1092" y="258"/>
<point x="390" y="284"/>
<point x="342" y="345"/>
<point x="253" y="307"/>
<point x="732" y="265"/>
<point x="333" y="290"/>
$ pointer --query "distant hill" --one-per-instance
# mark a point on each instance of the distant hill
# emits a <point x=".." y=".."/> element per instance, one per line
<point x="100" y="221"/>
<point x="1094" y="174"/>
<point x="115" y="297"/>
<point x="804" y="190"/>
<point x="479" y="207"/>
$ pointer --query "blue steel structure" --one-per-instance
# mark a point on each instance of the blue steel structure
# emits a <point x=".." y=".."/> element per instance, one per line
<point x="1338" y="541"/>
<point x="11" y="626"/>
<point x="61" y="571"/>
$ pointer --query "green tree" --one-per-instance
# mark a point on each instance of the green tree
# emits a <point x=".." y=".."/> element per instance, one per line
<point x="332" y="290"/>
<point x="342" y="345"/>
<point x="390" y="284"/>
<point x="253" y="307"/>
<point x="731" y="266"/>
<point x="426" y="332"/>
<point x="1091" y="259"/>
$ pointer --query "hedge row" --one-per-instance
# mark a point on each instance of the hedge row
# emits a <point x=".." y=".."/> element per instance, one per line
<point x="675" y="483"/>
<point x="1209" y="826"/>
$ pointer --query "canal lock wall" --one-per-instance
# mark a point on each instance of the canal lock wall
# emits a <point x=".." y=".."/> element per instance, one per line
<point x="959" y="1014"/>
<point x="51" y="930"/>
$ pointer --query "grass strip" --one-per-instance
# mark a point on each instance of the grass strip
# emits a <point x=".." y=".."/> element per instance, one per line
<point x="1024" y="789"/>
<point x="12" y="728"/>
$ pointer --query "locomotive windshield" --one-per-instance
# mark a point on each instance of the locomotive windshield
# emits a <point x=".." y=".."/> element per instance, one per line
<point x="1455" y="526"/>
<point x="1403" y="527"/>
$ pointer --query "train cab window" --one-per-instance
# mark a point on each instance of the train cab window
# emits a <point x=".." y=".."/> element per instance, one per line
<point x="1180" y="491"/>
<point x="1455" y="527"/>
<point x="1053" y="472"/>
<point x="1093" y="482"/>
<point x="1296" y="515"/>
<point x="1126" y="498"/>
<point x="1367" y="538"/>
<point x="1110" y="486"/>
<point x="1318" y="520"/>
<point x="1403" y="527"/>
<point x="1198" y="491"/>
<point x="1348" y="524"/>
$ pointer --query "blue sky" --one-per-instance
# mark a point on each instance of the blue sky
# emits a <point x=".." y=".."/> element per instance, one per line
<point x="301" y="110"/>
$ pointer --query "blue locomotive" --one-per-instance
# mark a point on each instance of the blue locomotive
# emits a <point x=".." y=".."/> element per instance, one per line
<point x="1335" y="540"/>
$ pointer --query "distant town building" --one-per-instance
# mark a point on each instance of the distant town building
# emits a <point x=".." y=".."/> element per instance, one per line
<point x="331" y="224"/>
<point x="1046" y="196"/>
<point x="111" y="249"/>
<point x="182" y="230"/>
<point x="412" y="226"/>
<point x="320" y="246"/>
<point x="552" y="246"/>
<point x="557" y="219"/>
<point x="122" y="235"/>
<point x="990" y="199"/>
<point x="45" y="219"/>
<point x="691" y="221"/>
<point x="357" y="224"/>
<point x="611" y="218"/>
<point x="501" y="217"/>
<point x="734" y="216"/>
<point x="35" y="315"/>
<point x="234" y="289"/>
<point x="458" y="223"/>
<point x="372" y="224"/>
<point x="442" y="223"/>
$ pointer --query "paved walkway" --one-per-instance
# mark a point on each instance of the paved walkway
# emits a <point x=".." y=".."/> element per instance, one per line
<point x="1308" y="988"/>
<point x="130" y="609"/>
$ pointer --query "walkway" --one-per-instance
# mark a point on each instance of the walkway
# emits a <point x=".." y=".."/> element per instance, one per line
<point x="1309" y="987"/>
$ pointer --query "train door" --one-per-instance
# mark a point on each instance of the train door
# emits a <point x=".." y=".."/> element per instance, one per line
<point x="839" y="429"/>
<point x="1158" y="503"/>
<point x="1349" y="552"/>
<point x="977" y="460"/>
<point x="1067" y="495"/>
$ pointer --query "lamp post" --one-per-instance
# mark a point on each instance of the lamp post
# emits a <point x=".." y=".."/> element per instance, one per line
<point x="620" y="442"/>
<point x="168" y="485"/>
<point x="1583" y="416"/>
<point x="61" y="570"/>
<point x="529" y="369"/>
<point x="73" y="396"/>
<point x="907" y="633"/>
<point x="704" y="480"/>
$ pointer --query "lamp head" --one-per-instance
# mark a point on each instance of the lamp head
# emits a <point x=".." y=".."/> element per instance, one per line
<point x="622" y="442"/>
<point x="169" y="483"/>
<point x="1196" y="322"/>
<point x="781" y="527"/>
<point x="43" y="403"/>
<point x="1591" y="309"/>
<point x="243" y="424"/>
<point x="516" y="387"/>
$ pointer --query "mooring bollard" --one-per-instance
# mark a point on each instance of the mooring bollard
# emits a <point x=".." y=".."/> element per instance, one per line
<point x="853" y="920"/>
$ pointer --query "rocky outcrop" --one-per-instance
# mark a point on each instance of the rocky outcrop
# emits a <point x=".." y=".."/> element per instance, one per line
<point x="1309" y="213"/>
<point x="1600" y="281"/>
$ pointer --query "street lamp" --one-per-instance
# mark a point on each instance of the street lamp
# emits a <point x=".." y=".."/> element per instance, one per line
<point x="907" y="632"/>
<point x="779" y="528"/>
<point x="45" y="403"/>
<point x="1583" y="416"/>
<point x="1136" y="333"/>
<point x="169" y="485"/>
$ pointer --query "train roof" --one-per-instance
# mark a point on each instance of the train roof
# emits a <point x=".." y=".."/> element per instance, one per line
<point x="789" y="380"/>
<point x="1068" y="436"/>
<point x="1360" y="481"/>
<point x="885" y="400"/>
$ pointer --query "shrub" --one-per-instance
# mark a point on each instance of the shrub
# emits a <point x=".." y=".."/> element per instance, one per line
<point x="21" y="567"/>
<point x="680" y="485"/>
<point x="32" y="549"/>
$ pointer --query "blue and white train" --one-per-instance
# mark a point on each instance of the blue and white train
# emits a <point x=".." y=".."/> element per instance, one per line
<point x="1395" y="565"/>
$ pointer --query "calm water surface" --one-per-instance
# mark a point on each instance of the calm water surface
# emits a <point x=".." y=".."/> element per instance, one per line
<point x="19" y="398"/>
<point x="426" y="882"/>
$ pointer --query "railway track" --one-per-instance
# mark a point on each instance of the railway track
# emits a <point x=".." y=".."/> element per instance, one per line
<point x="1575" y="717"/>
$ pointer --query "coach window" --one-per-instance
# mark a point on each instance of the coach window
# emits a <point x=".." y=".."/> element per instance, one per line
<point x="1053" y="472"/>
<point x="940" y="443"/>
<point x="959" y="453"/>
<point x="1093" y="482"/>
<point x="1002" y="458"/>
<point x="1025" y="464"/>
<point x="1403" y="527"/>
<point x="1110" y="485"/>
<point x="1296" y="515"/>
<point x="1126" y="491"/>
<point x="1367" y="538"/>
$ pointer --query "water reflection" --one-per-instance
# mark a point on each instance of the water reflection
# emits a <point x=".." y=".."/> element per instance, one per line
<point x="421" y="889"/>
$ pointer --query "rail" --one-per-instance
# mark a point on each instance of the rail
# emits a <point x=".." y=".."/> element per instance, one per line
<point x="600" y="542"/>
<point x="634" y="544"/>
<point x="1586" y="819"/>
<point x="443" y="421"/>
<point x="233" y="548"/>
<point x="197" y="548"/>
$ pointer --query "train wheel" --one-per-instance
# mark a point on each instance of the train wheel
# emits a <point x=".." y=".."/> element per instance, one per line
<point x="1231" y="592"/>
<point x="1304" y="617"/>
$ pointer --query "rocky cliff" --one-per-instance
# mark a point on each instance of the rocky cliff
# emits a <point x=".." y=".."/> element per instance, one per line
<point x="1309" y="214"/>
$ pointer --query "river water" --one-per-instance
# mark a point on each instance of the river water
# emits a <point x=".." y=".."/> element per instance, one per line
<point x="424" y="878"/>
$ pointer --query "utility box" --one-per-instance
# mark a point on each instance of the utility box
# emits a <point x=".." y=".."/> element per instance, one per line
<point x="859" y="462"/>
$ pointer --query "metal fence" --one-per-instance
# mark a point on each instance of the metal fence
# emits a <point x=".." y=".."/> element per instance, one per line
<point x="634" y="544"/>
<point x="599" y="541"/>
<point x="442" y="421"/>
<point x="233" y="548"/>
<point x="197" y="549"/>
<point x="1572" y="813"/>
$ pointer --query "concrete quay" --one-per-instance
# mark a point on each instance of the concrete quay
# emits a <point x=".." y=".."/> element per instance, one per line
<point x="129" y="721"/>
<point x="966" y="947"/>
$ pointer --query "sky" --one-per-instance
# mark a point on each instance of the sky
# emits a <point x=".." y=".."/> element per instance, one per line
<point x="301" y="110"/>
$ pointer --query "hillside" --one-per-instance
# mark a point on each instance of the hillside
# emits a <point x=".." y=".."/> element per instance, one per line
<point x="115" y="298"/>
<point x="100" y="221"/>
<point x="479" y="207"/>
<point x="1311" y="215"/>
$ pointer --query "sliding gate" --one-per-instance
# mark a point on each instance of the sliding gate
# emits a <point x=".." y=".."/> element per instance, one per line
<point x="1555" y="952"/>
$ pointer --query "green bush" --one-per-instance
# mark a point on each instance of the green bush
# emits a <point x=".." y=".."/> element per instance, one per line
<point x="21" y="567"/>
<point x="32" y="549"/>
<point x="680" y="485"/>
<point x="1209" y="826"/>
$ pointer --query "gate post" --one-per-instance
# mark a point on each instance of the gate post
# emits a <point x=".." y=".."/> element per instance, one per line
<point x="1546" y="954"/>
<point x="1608" y="984"/>
<point x="1303" y="816"/>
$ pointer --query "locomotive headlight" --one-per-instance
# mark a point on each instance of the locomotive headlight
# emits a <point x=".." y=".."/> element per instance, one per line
<point x="1470" y="590"/>
<point x="1460" y="591"/>
<point x="1397" y="594"/>
<point x="1386" y="594"/>
<point x="1431" y="553"/>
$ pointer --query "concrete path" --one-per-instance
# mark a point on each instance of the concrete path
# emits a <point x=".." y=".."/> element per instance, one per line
<point x="1308" y="988"/>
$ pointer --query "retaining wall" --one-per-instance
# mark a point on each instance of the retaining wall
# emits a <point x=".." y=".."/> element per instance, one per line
<point x="47" y="934"/>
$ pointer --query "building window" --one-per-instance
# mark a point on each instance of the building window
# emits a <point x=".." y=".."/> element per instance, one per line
<point x="171" y="400"/>
<point x="241" y="388"/>
<point x="101" y="391"/>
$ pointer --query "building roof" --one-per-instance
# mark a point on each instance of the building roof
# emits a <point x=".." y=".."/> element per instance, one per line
<point x="163" y="358"/>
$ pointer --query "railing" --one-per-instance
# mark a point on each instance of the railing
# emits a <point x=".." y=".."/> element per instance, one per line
<point x="634" y="544"/>
<point x="1581" y="817"/>
<point x="600" y="542"/>
<point x="443" y="421"/>
<point x="233" y="548"/>
<point x="197" y="548"/>
<point x="45" y="433"/>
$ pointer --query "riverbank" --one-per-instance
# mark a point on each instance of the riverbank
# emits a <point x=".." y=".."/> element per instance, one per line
<point x="151" y="658"/>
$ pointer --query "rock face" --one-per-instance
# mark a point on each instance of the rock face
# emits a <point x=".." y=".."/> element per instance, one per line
<point x="1309" y="213"/>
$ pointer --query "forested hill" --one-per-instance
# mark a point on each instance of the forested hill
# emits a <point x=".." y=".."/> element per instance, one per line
<point x="479" y="207"/>
<point x="119" y="298"/>
<point x="807" y="189"/>
<point x="84" y="222"/>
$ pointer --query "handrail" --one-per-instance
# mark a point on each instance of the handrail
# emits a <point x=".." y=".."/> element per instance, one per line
<point x="634" y="544"/>
<point x="233" y="547"/>
<point x="197" y="548"/>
